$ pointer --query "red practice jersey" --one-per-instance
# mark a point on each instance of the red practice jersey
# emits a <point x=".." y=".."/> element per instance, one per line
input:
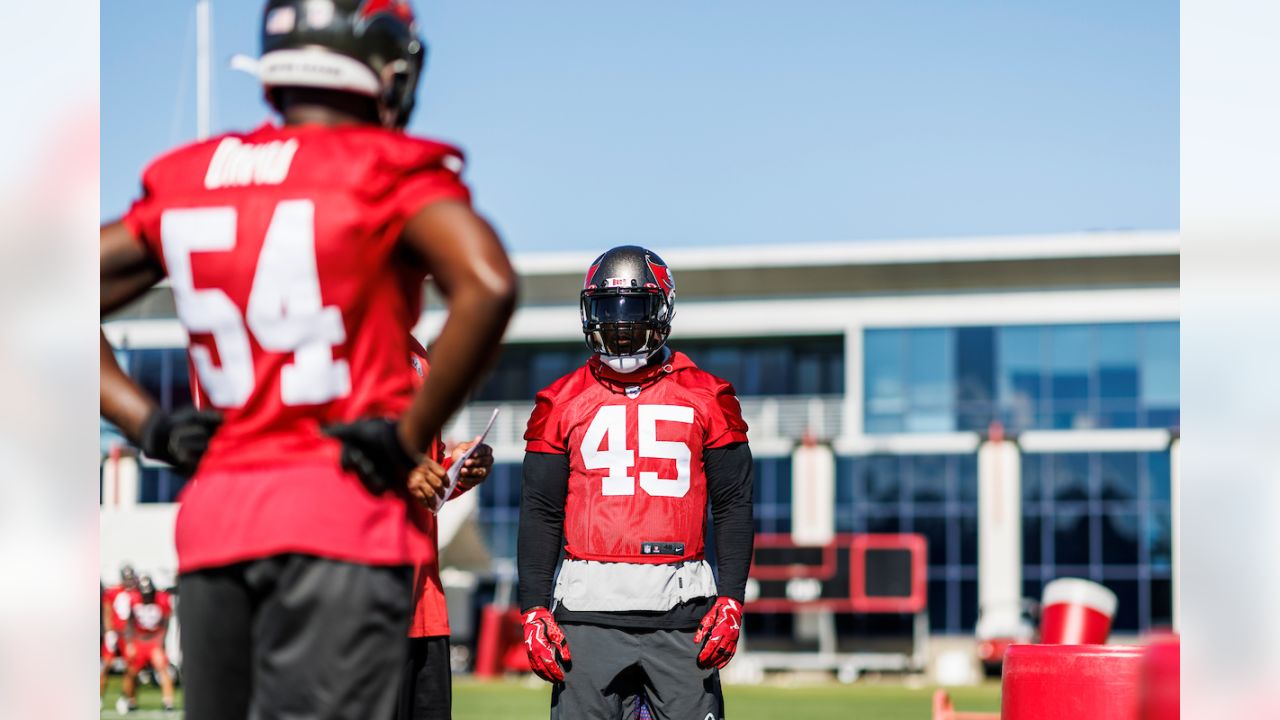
<point x="120" y="600"/>
<point x="637" y="491"/>
<point x="430" y="613"/>
<point x="149" y="619"/>
<point x="280" y="246"/>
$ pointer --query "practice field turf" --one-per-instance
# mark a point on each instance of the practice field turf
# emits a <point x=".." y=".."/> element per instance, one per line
<point x="505" y="700"/>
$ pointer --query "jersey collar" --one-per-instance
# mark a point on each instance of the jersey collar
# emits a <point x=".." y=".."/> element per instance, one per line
<point x="674" y="362"/>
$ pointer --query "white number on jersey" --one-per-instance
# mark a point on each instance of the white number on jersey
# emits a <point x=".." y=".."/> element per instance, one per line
<point x="285" y="313"/>
<point x="609" y="427"/>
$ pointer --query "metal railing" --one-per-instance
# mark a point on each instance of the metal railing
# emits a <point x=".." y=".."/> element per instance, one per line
<point x="771" y="418"/>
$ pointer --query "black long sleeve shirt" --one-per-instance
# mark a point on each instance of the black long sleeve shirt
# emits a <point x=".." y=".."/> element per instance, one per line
<point x="730" y="482"/>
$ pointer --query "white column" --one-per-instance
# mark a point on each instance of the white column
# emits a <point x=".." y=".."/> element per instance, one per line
<point x="119" y="482"/>
<point x="813" y="495"/>
<point x="999" y="539"/>
<point x="853" y="370"/>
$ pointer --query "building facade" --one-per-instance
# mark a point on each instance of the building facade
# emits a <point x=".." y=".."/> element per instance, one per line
<point x="903" y="357"/>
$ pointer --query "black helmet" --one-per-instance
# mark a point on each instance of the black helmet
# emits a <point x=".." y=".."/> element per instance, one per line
<point x="147" y="589"/>
<point x="128" y="578"/>
<point x="628" y="300"/>
<point x="367" y="47"/>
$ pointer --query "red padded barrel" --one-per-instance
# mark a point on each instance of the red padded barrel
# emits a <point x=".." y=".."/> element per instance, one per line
<point x="1076" y="612"/>
<point x="1161" y="675"/>
<point x="1071" y="682"/>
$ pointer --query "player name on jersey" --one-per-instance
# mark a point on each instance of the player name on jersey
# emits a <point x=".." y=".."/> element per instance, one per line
<point x="240" y="164"/>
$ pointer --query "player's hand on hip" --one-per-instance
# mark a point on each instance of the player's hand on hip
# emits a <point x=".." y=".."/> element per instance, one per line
<point x="476" y="469"/>
<point x="720" y="628"/>
<point x="544" y="641"/>
<point x="180" y="438"/>
<point x="373" y="450"/>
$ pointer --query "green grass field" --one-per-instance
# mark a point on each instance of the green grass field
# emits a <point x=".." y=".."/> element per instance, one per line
<point x="503" y="700"/>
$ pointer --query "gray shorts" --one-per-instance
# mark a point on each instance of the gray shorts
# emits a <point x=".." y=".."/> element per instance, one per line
<point x="613" y="667"/>
<point x="293" y="636"/>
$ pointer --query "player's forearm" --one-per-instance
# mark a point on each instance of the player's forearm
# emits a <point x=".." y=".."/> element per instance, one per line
<point x="542" y="496"/>
<point x="478" y="315"/>
<point x="123" y="403"/>
<point x="730" y="485"/>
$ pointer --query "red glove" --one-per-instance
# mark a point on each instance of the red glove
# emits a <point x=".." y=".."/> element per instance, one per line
<point x="723" y="622"/>
<point x="543" y="638"/>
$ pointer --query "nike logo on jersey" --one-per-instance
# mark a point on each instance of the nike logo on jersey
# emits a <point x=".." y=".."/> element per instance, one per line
<point x="238" y="164"/>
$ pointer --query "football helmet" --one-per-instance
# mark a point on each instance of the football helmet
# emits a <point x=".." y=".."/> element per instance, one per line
<point x="367" y="47"/>
<point x="628" y="300"/>
<point x="128" y="577"/>
<point x="147" y="589"/>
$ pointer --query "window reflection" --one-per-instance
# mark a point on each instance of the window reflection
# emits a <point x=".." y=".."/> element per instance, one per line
<point x="1061" y="377"/>
<point x="1101" y="520"/>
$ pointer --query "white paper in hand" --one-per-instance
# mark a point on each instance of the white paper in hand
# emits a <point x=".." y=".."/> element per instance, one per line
<point x="455" y="470"/>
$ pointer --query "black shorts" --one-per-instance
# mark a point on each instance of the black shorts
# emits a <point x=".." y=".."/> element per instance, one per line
<point x="426" y="691"/>
<point x="293" y="636"/>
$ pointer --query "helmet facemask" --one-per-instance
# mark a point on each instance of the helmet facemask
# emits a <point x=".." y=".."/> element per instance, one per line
<point x="625" y="327"/>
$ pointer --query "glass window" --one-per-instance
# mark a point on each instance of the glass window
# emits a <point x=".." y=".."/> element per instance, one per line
<point x="1032" y="478"/>
<point x="928" y="478"/>
<point x="1020" y="363"/>
<point x="969" y="538"/>
<point x="1159" y="536"/>
<point x="158" y="484"/>
<point x="1120" y="538"/>
<point x="1031" y="540"/>
<point x="1120" y="476"/>
<point x="1159" y="385"/>
<point x="934" y="529"/>
<point x="967" y="478"/>
<point x="1161" y="603"/>
<point x="1118" y="375"/>
<point x="1158" y="475"/>
<point x="929" y="374"/>
<point x="884" y="391"/>
<point x="975" y="377"/>
<point x="880" y="479"/>
<point x="1070" y="537"/>
<point x="1069" y="476"/>
<point x="1128" y="601"/>
<point x="1070" y="367"/>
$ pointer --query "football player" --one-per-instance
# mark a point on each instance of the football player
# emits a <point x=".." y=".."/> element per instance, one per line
<point x="117" y="601"/>
<point x="148" y="624"/>
<point x="426" y="691"/>
<point x="623" y="458"/>
<point x="296" y="255"/>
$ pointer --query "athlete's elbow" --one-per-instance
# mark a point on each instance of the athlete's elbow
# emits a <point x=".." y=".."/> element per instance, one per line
<point x="499" y="290"/>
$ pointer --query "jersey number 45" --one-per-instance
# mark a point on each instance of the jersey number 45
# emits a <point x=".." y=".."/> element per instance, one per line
<point x="609" y="428"/>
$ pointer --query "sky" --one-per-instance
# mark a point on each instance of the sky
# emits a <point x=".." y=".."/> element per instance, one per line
<point x="673" y="124"/>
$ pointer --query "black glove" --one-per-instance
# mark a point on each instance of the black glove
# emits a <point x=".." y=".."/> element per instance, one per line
<point x="371" y="449"/>
<point x="179" y="438"/>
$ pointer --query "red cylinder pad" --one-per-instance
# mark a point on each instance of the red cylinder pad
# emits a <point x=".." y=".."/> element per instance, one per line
<point x="1066" y="624"/>
<point x="1076" y="612"/>
<point x="1161" y="677"/>
<point x="1071" y="682"/>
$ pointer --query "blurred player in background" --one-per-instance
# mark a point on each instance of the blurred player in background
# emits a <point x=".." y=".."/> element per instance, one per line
<point x="117" y="602"/>
<point x="296" y="256"/>
<point x="426" y="690"/>
<point x="148" y="625"/>
<point x="623" y="457"/>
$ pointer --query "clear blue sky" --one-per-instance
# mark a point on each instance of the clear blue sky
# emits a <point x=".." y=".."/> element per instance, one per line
<point x="667" y="123"/>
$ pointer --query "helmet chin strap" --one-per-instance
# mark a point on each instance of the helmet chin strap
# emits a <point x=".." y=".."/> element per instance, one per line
<point x="627" y="364"/>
